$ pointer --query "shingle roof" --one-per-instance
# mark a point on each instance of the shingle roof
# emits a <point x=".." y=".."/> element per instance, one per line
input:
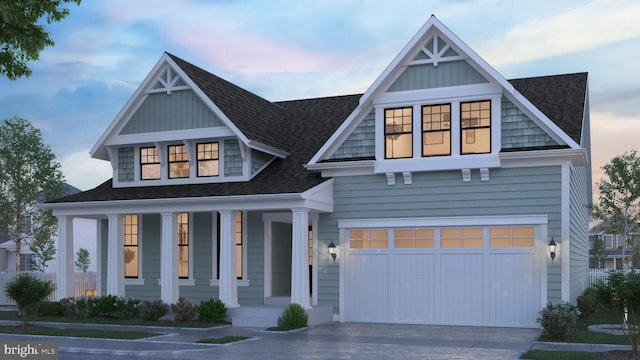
<point x="560" y="97"/>
<point x="303" y="126"/>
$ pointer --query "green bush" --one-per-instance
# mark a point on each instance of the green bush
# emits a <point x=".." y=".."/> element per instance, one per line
<point x="126" y="308"/>
<point x="29" y="293"/>
<point x="51" y="308"/>
<point x="184" y="310"/>
<point x="293" y="317"/>
<point x="86" y="307"/>
<point x="106" y="305"/>
<point x="586" y="305"/>
<point x="558" y="321"/>
<point x="212" y="311"/>
<point x="68" y="306"/>
<point x="152" y="310"/>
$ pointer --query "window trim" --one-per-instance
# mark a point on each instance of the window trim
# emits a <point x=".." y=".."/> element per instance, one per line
<point x="140" y="279"/>
<point x="198" y="160"/>
<point x="189" y="245"/>
<point x="462" y="129"/>
<point x="423" y="131"/>
<point x="141" y="164"/>
<point x="386" y="134"/>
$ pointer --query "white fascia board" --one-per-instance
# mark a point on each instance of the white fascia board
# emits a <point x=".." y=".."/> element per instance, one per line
<point x="534" y="219"/>
<point x="98" y="151"/>
<point x="256" y="145"/>
<point x="576" y="157"/>
<point x="542" y="120"/>
<point x="320" y="196"/>
<point x="168" y="136"/>
<point x="191" y="204"/>
<point x="340" y="135"/>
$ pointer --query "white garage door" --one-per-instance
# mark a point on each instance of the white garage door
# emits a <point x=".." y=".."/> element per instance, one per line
<point x="454" y="275"/>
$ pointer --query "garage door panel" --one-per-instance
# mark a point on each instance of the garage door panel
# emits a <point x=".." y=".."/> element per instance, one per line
<point x="461" y="288"/>
<point x="513" y="292"/>
<point x="369" y="288"/>
<point x="413" y="283"/>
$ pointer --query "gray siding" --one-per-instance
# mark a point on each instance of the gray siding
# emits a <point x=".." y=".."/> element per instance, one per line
<point x="254" y="294"/>
<point x="427" y="76"/>
<point x="578" y="233"/>
<point x="258" y="160"/>
<point x="166" y="112"/>
<point x="281" y="259"/>
<point x="362" y="141"/>
<point x="232" y="158"/>
<point x="525" y="191"/>
<point x="126" y="164"/>
<point x="519" y="131"/>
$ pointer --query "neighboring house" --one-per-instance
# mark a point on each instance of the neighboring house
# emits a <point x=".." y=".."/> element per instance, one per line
<point x="441" y="187"/>
<point x="84" y="232"/>
<point x="615" y="249"/>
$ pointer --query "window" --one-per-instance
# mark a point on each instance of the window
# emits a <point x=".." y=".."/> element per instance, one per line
<point x="511" y="237"/>
<point x="178" y="161"/>
<point x="208" y="159"/>
<point x="149" y="163"/>
<point x="239" y="246"/>
<point x="413" y="238"/>
<point x="475" y="126"/>
<point x="26" y="262"/>
<point x="131" y="250"/>
<point x="310" y="245"/>
<point x="436" y="130"/>
<point x="368" y="239"/>
<point x="461" y="238"/>
<point x="183" y="245"/>
<point x="398" y="133"/>
<point x="25" y="224"/>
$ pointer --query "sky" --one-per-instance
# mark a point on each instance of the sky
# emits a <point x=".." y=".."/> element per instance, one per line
<point x="284" y="50"/>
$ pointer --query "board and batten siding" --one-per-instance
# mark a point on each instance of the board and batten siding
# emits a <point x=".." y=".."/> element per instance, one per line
<point x="578" y="232"/>
<point x="510" y="191"/>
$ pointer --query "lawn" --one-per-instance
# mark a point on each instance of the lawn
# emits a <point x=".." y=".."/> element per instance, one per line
<point x="223" y="340"/>
<point x="88" y="333"/>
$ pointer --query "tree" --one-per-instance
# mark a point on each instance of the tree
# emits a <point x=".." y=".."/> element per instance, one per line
<point x="82" y="260"/>
<point x="619" y="200"/>
<point x="29" y="175"/>
<point x="597" y="253"/>
<point x="44" y="250"/>
<point x="29" y="293"/>
<point x="22" y="32"/>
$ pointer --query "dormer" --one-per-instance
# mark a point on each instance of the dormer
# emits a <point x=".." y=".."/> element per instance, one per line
<point x="437" y="106"/>
<point x="186" y="126"/>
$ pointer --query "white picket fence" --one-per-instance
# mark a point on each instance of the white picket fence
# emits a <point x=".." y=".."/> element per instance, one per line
<point x="597" y="274"/>
<point x="84" y="281"/>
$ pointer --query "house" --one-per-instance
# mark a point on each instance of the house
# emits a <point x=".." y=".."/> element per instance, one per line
<point x="84" y="233"/>
<point x="615" y="250"/>
<point x="440" y="188"/>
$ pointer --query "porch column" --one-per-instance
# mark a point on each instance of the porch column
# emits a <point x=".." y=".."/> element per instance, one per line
<point x="169" y="290"/>
<point x="115" y="256"/>
<point x="228" y="291"/>
<point x="65" y="275"/>
<point x="300" y="258"/>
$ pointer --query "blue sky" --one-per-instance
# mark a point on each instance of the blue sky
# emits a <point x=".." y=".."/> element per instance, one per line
<point x="282" y="49"/>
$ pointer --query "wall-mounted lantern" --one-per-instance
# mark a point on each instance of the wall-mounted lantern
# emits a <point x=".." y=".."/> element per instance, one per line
<point x="552" y="248"/>
<point x="332" y="251"/>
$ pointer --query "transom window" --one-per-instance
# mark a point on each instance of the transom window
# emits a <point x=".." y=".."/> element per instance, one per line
<point x="511" y="237"/>
<point x="436" y="130"/>
<point x="178" y="161"/>
<point x="398" y="131"/>
<point x="475" y="126"/>
<point x="183" y="245"/>
<point x="414" y="238"/>
<point x="369" y="239"/>
<point x="461" y="237"/>
<point x="131" y="250"/>
<point x="208" y="159"/>
<point x="149" y="163"/>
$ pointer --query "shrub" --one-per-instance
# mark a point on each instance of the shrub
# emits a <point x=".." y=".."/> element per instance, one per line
<point x="212" y="311"/>
<point x="68" y="306"/>
<point x="293" y="317"/>
<point x="586" y="305"/>
<point x="86" y="307"/>
<point x="29" y="293"/>
<point x="126" y="308"/>
<point x="558" y="321"/>
<point x="152" y="310"/>
<point x="106" y="305"/>
<point x="184" y="310"/>
<point x="51" y="308"/>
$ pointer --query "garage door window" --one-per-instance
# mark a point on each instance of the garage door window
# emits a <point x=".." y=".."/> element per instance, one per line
<point x="414" y="238"/>
<point x="461" y="238"/>
<point x="369" y="239"/>
<point x="511" y="237"/>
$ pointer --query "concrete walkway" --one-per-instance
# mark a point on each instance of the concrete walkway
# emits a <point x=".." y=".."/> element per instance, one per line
<point x="328" y="341"/>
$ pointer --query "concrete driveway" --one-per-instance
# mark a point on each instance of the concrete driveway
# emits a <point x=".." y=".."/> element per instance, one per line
<point x="329" y="341"/>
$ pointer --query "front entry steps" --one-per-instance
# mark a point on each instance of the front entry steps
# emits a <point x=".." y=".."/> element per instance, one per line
<point x="264" y="316"/>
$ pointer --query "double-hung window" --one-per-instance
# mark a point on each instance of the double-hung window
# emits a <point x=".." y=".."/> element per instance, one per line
<point x="178" y="161"/>
<point x="208" y="159"/>
<point x="398" y="133"/>
<point x="131" y="250"/>
<point x="436" y="130"/>
<point x="475" y="127"/>
<point x="183" y="245"/>
<point x="149" y="163"/>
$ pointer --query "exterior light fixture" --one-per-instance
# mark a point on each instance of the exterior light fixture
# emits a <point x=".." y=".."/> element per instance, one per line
<point x="552" y="249"/>
<point x="332" y="251"/>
